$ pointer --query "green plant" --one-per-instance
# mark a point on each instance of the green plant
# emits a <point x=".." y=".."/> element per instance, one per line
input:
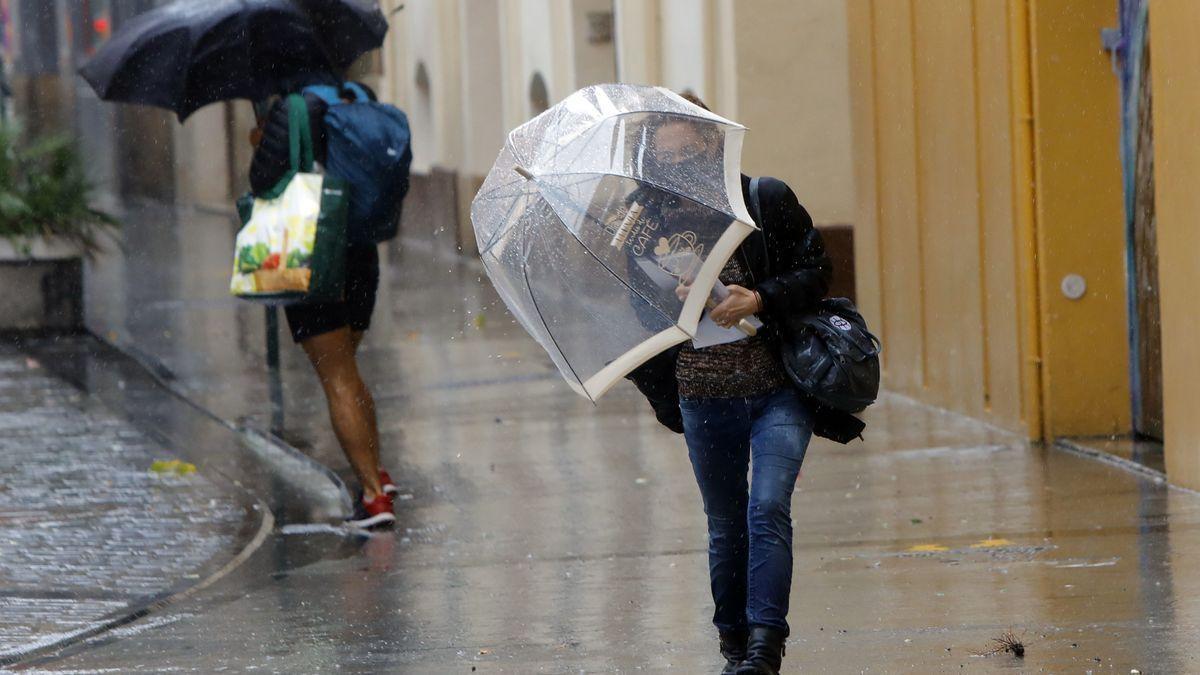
<point x="44" y="192"/>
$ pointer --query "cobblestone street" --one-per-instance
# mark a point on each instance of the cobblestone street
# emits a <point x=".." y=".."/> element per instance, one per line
<point x="88" y="533"/>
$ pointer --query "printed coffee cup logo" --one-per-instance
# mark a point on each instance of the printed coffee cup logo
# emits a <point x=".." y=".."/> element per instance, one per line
<point x="679" y="255"/>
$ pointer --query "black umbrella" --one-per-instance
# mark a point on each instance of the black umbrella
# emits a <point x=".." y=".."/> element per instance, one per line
<point x="190" y="53"/>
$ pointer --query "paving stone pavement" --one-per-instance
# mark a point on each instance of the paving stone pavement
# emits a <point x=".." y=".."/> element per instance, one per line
<point x="87" y="531"/>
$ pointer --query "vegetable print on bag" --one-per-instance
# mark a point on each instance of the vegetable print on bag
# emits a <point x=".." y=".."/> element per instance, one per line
<point x="292" y="247"/>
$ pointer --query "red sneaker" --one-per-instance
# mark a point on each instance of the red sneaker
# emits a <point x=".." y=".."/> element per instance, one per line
<point x="371" y="514"/>
<point x="385" y="482"/>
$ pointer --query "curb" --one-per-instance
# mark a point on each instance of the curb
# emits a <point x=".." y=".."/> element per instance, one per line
<point x="317" y="483"/>
<point x="268" y="448"/>
<point x="1122" y="463"/>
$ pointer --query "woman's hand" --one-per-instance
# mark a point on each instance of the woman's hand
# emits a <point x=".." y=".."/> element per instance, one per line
<point x="741" y="303"/>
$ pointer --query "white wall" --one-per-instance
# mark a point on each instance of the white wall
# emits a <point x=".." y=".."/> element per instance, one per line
<point x="482" y="85"/>
<point x="684" y="30"/>
<point x="425" y="33"/>
<point x="595" y="63"/>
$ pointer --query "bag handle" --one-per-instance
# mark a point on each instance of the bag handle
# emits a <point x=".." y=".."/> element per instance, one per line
<point x="300" y="142"/>
<point x="300" y="146"/>
<point x="756" y="211"/>
<point x="754" y="203"/>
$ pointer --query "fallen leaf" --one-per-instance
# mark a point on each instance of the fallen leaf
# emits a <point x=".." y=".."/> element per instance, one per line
<point x="928" y="548"/>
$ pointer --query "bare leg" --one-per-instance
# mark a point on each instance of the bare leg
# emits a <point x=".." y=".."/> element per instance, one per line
<point x="356" y="338"/>
<point x="351" y="408"/>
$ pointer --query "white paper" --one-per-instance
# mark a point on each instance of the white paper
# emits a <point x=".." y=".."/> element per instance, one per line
<point x="708" y="333"/>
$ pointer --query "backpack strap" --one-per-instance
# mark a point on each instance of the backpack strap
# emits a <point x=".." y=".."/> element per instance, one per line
<point x="755" y="207"/>
<point x="332" y="95"/>
<point x="360" y="94"/>
<point x="328" y="93"/>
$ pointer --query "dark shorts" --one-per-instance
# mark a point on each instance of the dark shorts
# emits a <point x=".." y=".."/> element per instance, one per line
<point x="358" y="301"/>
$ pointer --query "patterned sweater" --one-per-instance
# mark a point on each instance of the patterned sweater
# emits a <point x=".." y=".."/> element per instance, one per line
<point x="748" y="367"/>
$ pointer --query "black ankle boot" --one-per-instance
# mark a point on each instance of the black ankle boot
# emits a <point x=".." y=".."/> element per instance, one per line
<point x="764" y="652"/>
<point x="733" y="648"/>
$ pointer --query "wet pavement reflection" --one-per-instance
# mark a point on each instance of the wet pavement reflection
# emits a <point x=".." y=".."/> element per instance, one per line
<point x="92" y="530"/>
<point x="540" y="533"/>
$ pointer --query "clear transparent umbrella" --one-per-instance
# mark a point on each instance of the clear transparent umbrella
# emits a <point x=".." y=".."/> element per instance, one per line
<point x="594" y="215"/>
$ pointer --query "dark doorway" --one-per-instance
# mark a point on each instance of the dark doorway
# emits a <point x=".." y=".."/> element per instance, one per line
<point x="1146" y="330"/>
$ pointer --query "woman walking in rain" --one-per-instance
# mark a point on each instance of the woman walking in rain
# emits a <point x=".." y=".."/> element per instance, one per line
<point x="739" y="412"/>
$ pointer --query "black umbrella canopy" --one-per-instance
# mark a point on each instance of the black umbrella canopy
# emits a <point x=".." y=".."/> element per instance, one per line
<point x="190" y="53"/>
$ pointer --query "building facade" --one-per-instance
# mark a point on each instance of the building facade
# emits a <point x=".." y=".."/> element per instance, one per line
<point x="468" y="71"/>
<point x="1016" y="212"/>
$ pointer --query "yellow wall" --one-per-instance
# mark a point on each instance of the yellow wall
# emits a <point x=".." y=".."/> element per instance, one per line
<point x="1175" y="64"/>
<point x="986" y="137"/>
<point x="936" y="236"/>
<point x="1080" y="216"/>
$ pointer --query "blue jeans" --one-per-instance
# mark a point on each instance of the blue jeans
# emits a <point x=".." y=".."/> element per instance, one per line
<point x="749" y="525"/>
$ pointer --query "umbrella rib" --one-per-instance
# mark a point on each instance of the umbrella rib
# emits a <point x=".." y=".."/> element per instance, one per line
<point x="650" y="183"/>
<point x="627" y="113"/>
<point x="500" y="232"/>
<point x="542" y="318"/>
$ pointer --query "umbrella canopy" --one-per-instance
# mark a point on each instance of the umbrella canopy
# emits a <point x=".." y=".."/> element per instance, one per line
<point x="187" y="54"/>
<point x="597" y="210"/>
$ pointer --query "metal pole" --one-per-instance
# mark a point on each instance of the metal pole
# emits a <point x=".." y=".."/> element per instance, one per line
<point x="4" y="90"/>
<point x="274" y="380"/>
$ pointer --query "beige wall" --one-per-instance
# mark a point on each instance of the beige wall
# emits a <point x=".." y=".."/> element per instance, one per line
<point x="424" y="35"/>
<point x="1175" y="64"/>
<point x="778" y="66"/>
<point x="792" y="83"/>
<point x="638" y="41"/>
<point x="203" y="144"/>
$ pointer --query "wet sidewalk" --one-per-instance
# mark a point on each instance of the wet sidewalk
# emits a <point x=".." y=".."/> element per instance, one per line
<point x="90" y="535"/>
<point x="541" y="534"/>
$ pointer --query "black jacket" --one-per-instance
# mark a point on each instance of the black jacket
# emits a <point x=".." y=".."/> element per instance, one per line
<point x="272" y="159"/>
<point x="791" y="272"/>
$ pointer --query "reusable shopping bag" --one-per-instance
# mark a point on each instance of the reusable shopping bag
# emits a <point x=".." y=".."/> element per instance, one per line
<point x="292" y="246"/>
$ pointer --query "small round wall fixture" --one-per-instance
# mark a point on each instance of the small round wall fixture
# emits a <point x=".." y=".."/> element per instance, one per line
<point x="1074" y="286"/>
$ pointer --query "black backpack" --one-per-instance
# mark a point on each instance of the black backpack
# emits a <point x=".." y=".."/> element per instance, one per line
<point x="828" y="352"/>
